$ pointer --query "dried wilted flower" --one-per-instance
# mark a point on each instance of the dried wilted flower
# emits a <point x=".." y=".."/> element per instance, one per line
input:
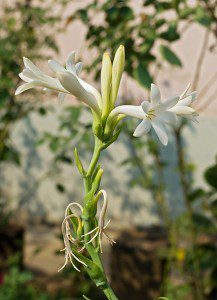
<point x="99" y="231"/>
<point x="69" y="239"/>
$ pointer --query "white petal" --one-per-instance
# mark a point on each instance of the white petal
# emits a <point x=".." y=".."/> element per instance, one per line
<point x="168" y="117"/>
<point x="188" y="99"/>
<point x="129" y="110"/>
<point x="142" y="128"/>
<point x="89" y="88"/>
<point x="78" y="68"/>
<point x="71" y="83"/>
<point x="146" y="106"/>
<point x="167" y="104"/>
<point x="182" y="110"/>
<point x="70" y="63"/>
<point x="26" y="86"/>
<point x="27" y="73"/>
<point x="55" y="66"/>
<point x="185" y="101"/>
<point x="160" y="131"/>
<point x="25" y="78"/>
<point x="185" y="91"/>
<point x="29" y="65"/>
<point x="155" y="95"/>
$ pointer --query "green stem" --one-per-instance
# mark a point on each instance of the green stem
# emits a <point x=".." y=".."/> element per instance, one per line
<point x="93" y="252"/>
<point x="95" y="157"/>
<point x="107" y="290"/>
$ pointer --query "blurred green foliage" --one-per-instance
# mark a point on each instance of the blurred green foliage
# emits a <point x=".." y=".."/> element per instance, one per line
<point x="144" y="29"/>
<point x="26" y="29"/>
<point x="17" y="285"/>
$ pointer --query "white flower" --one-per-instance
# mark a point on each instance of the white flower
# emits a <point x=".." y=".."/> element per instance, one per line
<point x="154" y="114"/>
<point x="67" y="81"/>
<point x="36" y="78"/>
<point x="182" y="108"/>
<point x="157" y="114"/>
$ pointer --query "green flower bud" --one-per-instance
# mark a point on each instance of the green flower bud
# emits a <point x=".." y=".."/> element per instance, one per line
<point x="106" y="76"/>
<point x="117" y="71"/>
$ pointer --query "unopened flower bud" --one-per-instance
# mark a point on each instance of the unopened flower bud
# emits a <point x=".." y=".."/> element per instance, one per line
<point x="117" y="71"/>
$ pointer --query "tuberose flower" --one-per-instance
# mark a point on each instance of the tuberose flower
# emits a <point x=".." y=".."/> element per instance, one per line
<point x="182" y="108"/>
<point x="67" y="81"/>
<point x="156" y="114"/>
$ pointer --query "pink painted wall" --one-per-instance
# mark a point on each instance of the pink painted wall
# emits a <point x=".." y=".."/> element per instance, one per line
<point x="171" y="80"/>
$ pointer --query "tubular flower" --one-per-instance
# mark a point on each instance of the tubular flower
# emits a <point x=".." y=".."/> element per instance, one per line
<point x="156" y="114"/>
<point x="69" y="239"/>
<point x="182" y="108"/>
<point x="99" y="231"/>
<point x="67" y="81"/>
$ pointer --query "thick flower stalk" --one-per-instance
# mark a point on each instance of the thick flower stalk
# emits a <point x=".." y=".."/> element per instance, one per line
<point x="82" y="228"/>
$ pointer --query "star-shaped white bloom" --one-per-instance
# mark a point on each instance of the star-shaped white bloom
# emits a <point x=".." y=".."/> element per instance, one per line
<point x="182" y="108"/>
<point x="34" y="77"/>
<point x="156" y="114"/>
<point x="67" y="81"/>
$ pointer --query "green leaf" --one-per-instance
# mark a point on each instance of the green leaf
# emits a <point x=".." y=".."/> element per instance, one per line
<point x="202" y="222"/>
<point x="196" y="194"/>
<point x="170" y="56"/>
<point x="210" y="176"/>
<point x="202" y="17"/>
<point x="148" y="2"/>
<point x="83" y="15"/>
<point x="186" y="12"/>
<point x="142" y="75"/>
<point x="79" y="163"/>
<point x="171" y="33"/>
<point x="11" y="155"/>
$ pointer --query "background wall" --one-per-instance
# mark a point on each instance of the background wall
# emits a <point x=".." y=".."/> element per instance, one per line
<point x="136" y="205"/>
